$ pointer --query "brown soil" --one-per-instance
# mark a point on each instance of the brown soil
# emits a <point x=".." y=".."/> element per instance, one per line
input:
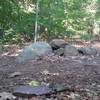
<point x="81" y="74"/>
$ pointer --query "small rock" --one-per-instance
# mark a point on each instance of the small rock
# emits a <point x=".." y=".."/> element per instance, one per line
<point x="58" y="87"/>
<point x="6" y="96"/>
<point x="15" y="74"/>
<point x="46" y="72"/>
<point x="59" y="52"/>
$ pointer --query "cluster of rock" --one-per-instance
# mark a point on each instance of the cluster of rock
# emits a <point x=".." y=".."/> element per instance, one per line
<point x="60" y="47"/>
<point x="56" y="46"/>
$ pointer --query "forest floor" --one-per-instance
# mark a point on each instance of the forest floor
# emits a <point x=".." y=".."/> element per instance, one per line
<point x="81" y="74"/>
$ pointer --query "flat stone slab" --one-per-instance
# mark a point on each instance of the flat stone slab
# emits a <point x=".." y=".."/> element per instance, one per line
<point x="29" y="91"/>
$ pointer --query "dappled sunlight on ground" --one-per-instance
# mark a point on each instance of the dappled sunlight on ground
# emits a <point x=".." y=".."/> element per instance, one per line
<point x="97" y="45"/>
<point x="12" y="53"/>
<point x="16" y="53"/>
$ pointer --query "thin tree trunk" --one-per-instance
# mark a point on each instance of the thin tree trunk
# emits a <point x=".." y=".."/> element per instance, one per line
<point x="36" y="22"/>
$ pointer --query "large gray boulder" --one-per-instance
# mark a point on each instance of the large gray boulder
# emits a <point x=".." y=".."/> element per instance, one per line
<point x="70" y="50"/>
<point x="57" y="43"/>
<point x="88" y="51"/>
<point x="33" y="51"/>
